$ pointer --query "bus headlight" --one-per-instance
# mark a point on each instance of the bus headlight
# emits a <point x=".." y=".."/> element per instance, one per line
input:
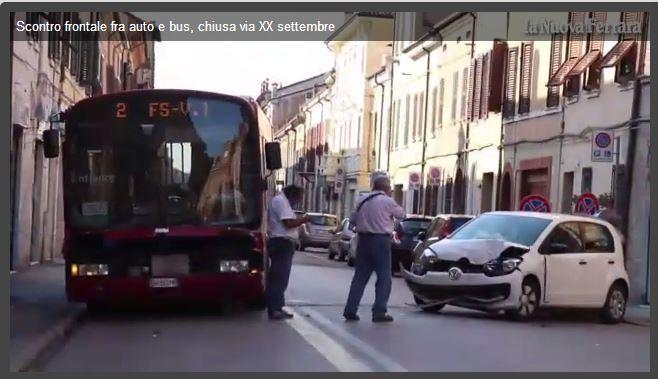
<point x="233" y="266"/>
<point x="90" y="270"/>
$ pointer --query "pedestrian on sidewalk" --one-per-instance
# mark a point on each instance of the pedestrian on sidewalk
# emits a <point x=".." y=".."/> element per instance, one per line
<point x="373" y="220"/>
<point x="281" y="242"/>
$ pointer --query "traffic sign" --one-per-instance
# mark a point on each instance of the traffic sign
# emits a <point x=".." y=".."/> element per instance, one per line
<point x="587" y="203"/>
<point x="602" y="146"/>
<point x="434" y="176"/>
<point x="535" y="203"/>
<point x="414" y="180"/>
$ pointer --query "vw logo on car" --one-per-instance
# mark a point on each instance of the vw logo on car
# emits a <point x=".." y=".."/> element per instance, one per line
<point x="455" y="273"/>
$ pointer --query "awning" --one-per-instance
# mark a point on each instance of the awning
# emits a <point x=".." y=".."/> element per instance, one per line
<point x="584" y="63"/>
<point x="617" y="53"/>
<point x="561" y="74"/>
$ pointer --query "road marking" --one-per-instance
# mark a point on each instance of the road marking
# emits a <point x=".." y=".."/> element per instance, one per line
<point x="312" y="255"/>
<point x="331" y="350"/>
<point x="378" y="357"/>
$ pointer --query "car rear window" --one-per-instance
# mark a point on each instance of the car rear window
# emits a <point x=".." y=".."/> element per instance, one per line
<point x="324" y="221"/>
<point x="457" y="222"/>
<point x="414" y="226"/>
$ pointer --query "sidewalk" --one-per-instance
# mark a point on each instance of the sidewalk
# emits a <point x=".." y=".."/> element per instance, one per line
<point x="39" y="312"/>
<point x="639" y="314"/>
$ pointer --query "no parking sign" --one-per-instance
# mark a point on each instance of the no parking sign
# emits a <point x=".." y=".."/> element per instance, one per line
<point x="602" y="146"/>
<point x="535" y="203"/>
<point x="587" y="203"/>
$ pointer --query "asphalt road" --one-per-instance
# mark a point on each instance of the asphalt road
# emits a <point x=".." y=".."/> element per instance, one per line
<point x="318" y="339"/>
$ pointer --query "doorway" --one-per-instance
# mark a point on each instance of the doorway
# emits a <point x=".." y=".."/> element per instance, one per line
<point x="506" y="193"/>
<point x="567" y="192"/>
<point x="36" y="244"/>
<point x="458" y="203"/>
<point x="487" y="191"/>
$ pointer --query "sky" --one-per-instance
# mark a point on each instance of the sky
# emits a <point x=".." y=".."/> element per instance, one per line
<point x="237" y="67"/>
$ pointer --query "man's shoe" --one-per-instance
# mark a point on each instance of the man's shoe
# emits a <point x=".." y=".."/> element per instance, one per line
<point x="287" y="314"/>
<point x="278" y="315"/>
<point x="382" y="318"/>
<point x="353" y="317"/>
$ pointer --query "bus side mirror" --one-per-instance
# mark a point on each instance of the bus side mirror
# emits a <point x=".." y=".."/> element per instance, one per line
<point x="273" y="155"/>
<point x="51" y="143"/>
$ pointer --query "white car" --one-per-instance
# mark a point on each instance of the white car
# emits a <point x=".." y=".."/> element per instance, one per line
<point x="520" y="261"/>
<point x="351" y="251"/>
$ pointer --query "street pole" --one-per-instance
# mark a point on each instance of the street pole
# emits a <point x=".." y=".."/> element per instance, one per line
<point x="422" y="161"/>
<point x="381" y="123"/>
<point x="390" y="108"/>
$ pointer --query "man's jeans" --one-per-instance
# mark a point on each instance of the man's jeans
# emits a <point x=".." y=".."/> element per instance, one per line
<point x="281" y="251"/>
<point x="373" y="254"/>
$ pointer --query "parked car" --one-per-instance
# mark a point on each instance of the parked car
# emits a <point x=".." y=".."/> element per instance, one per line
<point x="441" y="226"/>
<point x="318" y="232"/>
<point x="340" y="242"/>
<point x="405" y="238"/>
<point x="351" y="251"/>
<point x="521" y="261"/>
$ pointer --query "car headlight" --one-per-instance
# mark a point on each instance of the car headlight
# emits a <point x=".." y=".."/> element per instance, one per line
<point x="233" y="266"/>
<point x="424" y="261"/>
<point x="90" y="270"/>
<point x="501" y="266"/>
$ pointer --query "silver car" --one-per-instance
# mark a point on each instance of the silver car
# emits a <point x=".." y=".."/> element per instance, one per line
<point x="318" y="232"/>
<point x="340" y="242"/>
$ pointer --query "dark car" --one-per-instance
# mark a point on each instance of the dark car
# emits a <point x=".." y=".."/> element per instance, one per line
<point x="405" y="238"/>
<point x="441" y="226"/>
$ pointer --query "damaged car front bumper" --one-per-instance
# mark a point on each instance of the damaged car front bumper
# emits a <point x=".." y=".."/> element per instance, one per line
<point x="469" y="290"/>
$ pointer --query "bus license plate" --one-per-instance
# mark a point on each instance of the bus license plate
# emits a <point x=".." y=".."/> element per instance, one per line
<point x="164" y="283"/>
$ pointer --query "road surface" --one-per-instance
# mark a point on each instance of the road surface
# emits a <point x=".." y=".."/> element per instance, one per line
<point x="318" y="339"/>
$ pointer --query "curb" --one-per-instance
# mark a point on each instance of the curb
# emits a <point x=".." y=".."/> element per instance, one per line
<point x="57" y="333"/>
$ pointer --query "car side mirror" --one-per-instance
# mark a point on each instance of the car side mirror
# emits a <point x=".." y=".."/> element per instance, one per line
<point x="51" y="143"/>
<point x="421" y="236"/>
<point x="273" y="155"/>
<point x="558" y="248"/>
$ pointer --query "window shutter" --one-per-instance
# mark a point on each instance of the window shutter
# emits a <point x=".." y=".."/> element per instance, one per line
<point x="435" y="100"/>
<point x="86" y="45"/>
<point x="496" y="76"/>
<point x="465" y="105"/>
<point x="469" y="105"/>
<point x="576" y="39"/>
<point x="510" y="82"/>
<point x="486" y="68"/>
<point x="442" y="89"/>
<point x="553" y="96"/>
<point x="596" y="39"/>
<point x="631" y="18"/>
<point x="477" y="88"/>
<point x="415" y="118"/>
<point x="421" y="117"/>
<point x="526" y="78"/>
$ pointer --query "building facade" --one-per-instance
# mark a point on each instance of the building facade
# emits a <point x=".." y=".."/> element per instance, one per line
<point x="50" y="72"/>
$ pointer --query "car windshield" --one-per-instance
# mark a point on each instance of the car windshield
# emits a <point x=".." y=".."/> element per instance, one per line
<point x="522" y="230"/>
<point x="324" y="220"/>
<point x="415" y="226"/>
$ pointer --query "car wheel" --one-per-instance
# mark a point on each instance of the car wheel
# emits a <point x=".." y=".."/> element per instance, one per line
<point x="331" y="255"/>
<point x="258" y="304"/>
<point x="302" y="247"/>
<point x="350" y="262"/>
<point x="528" y="301"/>
<point x="341" y="257"/>
<point x="434" y="308"/>
<point x="615" y="304"/>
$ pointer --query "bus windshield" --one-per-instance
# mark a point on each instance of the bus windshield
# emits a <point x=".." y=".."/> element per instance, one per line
<point x="170" y="160"/>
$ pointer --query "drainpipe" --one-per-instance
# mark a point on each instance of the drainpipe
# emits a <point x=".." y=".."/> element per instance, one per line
<point x="390" y="108"/>
<point x="630" y="157"/>
<point x="468" y="124"/>
<point x="559" y="160"/>
<point x="422" y="161"/>
<point x="381" y="123"/>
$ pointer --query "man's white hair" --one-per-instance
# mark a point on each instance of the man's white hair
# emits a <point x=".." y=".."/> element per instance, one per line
<point x="376" y="175"/>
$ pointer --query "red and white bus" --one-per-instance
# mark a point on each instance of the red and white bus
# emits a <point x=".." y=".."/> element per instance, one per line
<point x="165" y="196"/>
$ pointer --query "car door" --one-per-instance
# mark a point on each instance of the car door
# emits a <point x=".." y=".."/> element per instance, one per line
<point x="565" y="263"/>
<point x="601" y="260"/>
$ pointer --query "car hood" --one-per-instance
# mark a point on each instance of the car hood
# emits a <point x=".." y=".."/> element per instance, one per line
<point x="476" y="251"/>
